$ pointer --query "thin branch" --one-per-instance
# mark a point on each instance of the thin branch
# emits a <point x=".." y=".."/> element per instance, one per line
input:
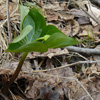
<point x="8" y="20"/>
<point x="83" y="50"/>
<point x="3" y="96"/>
<point x="68" y="65"/>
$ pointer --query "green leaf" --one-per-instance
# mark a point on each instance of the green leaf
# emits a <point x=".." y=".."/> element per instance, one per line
<point x="32" y="25"/>
<point x="38" y="22"/>
<point x="36" y="36"/>
<point x="23" y="34"/>
<point x="43" y="38"/>
<point x="58" y="40"/>
<point x="49" y="30"/>
<point x="35" y="46"/>
<point x="23" y="12"/>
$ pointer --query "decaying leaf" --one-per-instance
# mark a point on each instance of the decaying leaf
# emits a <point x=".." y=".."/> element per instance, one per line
<point x="52" y="15"/>
<point x="67" y="29"/>
<point x="97" y="57"/>
<point x="75" y="27"/>
<point x="46" y="93"/>
<point x="96" y="30"/>
<point x="87" y="30"/>
<point x="95" y="12"/>
<point x="51" y="53"/>
<point x="67" y="17"/>
<point x="54" y="6"/>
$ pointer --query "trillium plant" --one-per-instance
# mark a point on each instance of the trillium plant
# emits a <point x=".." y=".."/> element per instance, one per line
<point x="35" y="36"/>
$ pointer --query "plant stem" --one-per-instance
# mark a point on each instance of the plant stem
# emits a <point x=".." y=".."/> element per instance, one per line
<point x="15" y="73"/>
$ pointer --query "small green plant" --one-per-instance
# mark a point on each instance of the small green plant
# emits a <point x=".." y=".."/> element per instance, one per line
<point x="35" y="36"/>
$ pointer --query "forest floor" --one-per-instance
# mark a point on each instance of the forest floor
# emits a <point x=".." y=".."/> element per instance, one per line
<point x="70" y="73"/>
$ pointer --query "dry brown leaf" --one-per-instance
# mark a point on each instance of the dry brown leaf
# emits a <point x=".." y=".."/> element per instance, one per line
<point x="3" y="10"/>
<point x="93" y="90"/>
<point x="46" y="93"/>
<point x="83" y="20"/>
<point x="96" y="30"/>
<point x="71" y="28"/>
<point x="13" y="65"/>
<point x="67" y="29"/>
<point x="54" y="6"/>
<point x="52" y="18"/>
<point x="2" y="17"/>
<point x="87" y="31"/>
<point x="76" y="91"/>
<point x="95" y="12"/>
<point x="57" y="52"/>
<point x="52" y="15"/>
<point x="60" y="90"/>
<point x="33" y="92"/>
<point x="75" y="27"/>
<point x="65" y="16"/>
<point x="50" y="53"/>
<point x="77" y="13"/>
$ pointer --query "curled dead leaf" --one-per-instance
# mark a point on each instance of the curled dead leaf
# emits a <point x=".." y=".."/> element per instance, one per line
<point x="67" y="29"/>
<point x="75" y="27"/>
<point x="65" y="16"/>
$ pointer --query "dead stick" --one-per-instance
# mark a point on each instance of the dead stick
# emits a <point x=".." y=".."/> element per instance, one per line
<point x="68" y="65"/>
<point x="83" y="50"/>
<point x="8" y="20"/>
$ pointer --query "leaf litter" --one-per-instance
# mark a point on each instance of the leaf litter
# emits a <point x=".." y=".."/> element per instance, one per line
<point x="79" y="82"/>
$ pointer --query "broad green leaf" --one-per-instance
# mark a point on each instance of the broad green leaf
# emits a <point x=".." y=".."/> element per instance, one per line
<point x="37" y="21"/>
<point x="23" y="34"/>
<point x="35" y="46"/>
<point x="23" y="12"/>
<point x="36" y="36"/>
<point x="29" y="21"/>
<point x="58" y="40"/>
<point x="49" y="30"/>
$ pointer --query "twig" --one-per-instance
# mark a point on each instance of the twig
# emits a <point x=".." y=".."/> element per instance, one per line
<point x="3" y="96"/>
<point x="81" y="56"/>
<point x="68" y="65"/>
<point x="71" y="78"/>
<point x="13" y="96"/>
<point x="8" y="20"/>
<point x="83" y="50"/>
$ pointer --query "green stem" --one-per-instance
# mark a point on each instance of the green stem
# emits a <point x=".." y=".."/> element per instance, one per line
<point x="15" y="73"/>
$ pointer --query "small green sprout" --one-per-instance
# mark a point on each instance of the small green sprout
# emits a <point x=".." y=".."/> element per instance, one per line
<point x="43" y="38"/>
